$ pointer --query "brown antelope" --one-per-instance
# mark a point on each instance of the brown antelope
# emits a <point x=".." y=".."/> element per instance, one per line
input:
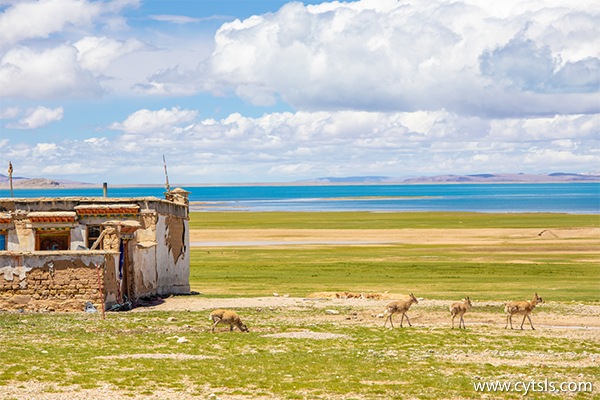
<point x="521" y="308"/>
<point x="397" y="307"/>
<point x="227" y="317"/>
<point x="459" y="309"/>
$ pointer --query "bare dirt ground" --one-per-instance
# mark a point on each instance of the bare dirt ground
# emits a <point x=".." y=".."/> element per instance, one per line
<point x="224" y="237"/>
<point x="429" y="312"/>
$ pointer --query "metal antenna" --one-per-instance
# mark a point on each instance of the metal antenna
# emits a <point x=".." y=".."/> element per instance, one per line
<point x="167" y="186"/>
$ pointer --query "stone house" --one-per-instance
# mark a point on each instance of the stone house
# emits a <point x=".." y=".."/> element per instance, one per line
<point x="60" y="253"/>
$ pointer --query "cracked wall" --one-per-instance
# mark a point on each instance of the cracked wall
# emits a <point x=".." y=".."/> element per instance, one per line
<point x="56" y="282"/>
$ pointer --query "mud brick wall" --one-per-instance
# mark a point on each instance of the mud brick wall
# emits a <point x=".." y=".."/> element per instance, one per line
<point x="43" y="283"/>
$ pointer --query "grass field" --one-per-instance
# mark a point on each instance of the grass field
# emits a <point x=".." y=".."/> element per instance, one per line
<point x="385" y="220"/>
<point x="167" y="353"/>
<point x="566" y="270"/>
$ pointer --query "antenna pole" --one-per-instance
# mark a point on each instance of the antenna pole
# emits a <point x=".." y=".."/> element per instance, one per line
<point x="10" y="172"/>
<point x="167" y="186"/>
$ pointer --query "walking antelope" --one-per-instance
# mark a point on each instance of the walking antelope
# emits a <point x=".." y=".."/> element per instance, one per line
<point x="521" y="308"/>
<point x="399" y="307"/>
<point x="459" y="309"/>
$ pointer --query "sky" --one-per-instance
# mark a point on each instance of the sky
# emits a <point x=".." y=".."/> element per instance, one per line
<point x="236" y="91"/>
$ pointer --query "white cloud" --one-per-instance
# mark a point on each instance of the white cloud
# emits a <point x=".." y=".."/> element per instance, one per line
<point x="27" y="73"/>
<point x="45" y="149"/>
<point x="292" y="146"/>
<point x="38" y="58"/>
<point x="97" y="53"/>
<point x="32" y="19"/>
<point x="73" y="168"/>
<point x="38" y="117"/>
<point x="380" y="87"/>
<point x="175" y="19"/>
<point x="10" y="112"/>
<point x="520" y="58"/>
<point x="39" y="19"/>
<point x="158" y="122"/>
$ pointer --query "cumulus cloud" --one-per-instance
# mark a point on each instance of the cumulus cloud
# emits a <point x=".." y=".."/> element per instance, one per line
<point x="38" y="117"/>
<point x="377" y="87"/>
<point x="31" y="19"/>
<point x="39" y="19"/>
<point x="38" y="58"/>
<point x="28" y="73"/>
<point x="290" y="146"/>
<point x="161" y="121"/>
<point x="45" y="149"/>
<point x="96" y="53"/>
<point x="470" y="57"/>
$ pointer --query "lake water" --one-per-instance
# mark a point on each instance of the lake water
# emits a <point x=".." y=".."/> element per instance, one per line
<point x="581" y="198"/>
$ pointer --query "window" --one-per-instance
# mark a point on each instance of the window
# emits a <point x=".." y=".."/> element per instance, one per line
<point x="52" y="240"/>
<point x="3" y="241"/>
<point x="93" y="233"/>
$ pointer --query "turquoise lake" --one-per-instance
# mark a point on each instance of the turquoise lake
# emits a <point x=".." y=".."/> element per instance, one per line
<point x="580" y="198"/>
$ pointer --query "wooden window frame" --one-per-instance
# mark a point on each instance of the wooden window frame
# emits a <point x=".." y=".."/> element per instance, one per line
<point x="40" y="233"/>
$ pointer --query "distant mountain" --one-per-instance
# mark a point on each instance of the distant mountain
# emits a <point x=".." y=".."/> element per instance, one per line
<point x="21" y="182"/>
<point x="475" y="178"/>
<point x="507" y="178"/>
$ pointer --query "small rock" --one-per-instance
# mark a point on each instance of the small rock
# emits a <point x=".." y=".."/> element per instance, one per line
<point x="171" y="319"/>
<point x="275" y="294"/>
<point x="182" y="340"/>
<point x="332" y="312"/>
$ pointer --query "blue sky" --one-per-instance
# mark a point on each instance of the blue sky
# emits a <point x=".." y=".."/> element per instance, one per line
<point x="276" y="91"/>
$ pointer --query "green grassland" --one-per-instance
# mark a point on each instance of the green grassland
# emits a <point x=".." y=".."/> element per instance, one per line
<point x="569" y="272"/>
<point x="386" y="220"/>
<point x="137" y="353"/>
<point x="438" y="272"/>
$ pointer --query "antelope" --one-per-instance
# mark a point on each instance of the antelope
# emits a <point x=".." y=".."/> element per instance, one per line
<point x="521" y="308"/>
<point x="399" y="306"/>
<point x="227" y="317"/>
<point x="459" y="309"/>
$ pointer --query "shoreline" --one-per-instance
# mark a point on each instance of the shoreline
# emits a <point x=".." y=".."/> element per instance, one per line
<point x="84" y="185"/>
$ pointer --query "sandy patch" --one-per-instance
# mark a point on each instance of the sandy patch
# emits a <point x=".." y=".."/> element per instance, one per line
<point x="216" y="237"/>
<point x="574" y="320"/>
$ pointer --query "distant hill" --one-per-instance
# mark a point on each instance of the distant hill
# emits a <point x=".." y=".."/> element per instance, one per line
<point x="21" y="182"/>
<point x="475" y="178"/>
<point x="41" y="183"/>
<point x="506" y="178"/>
